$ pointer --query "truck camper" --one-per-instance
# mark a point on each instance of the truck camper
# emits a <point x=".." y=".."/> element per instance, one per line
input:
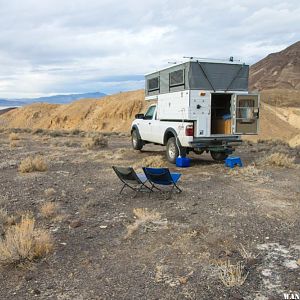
<point x="200" y="105"/>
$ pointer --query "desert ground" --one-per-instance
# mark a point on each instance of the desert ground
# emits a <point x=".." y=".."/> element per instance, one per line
<point x="231" y="234"/>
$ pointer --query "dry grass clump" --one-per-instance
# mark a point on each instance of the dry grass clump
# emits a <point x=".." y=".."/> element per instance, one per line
<point x="248" y="171"/>
<point x="13" y="144"/>
<point x="49" y="192"/>
<point x="278" y="159"/>
<point x="33" y="164"/>
<point x="5" y="218"/>
<point x="156" y="161"/>
<point x="23" y="242"/>
<point x="56" y="133"/>
<point x="246" y="254"/>
<point x="14" y="137"/>
<point x="95" y="142"/>
<point x="163" y="275"/>
<point x="143" y="215"/>
<point x="49" y="209"/>
<point x="75" y="132"/>
<point x="273" y="142"/>
<point x="232" y="275"/>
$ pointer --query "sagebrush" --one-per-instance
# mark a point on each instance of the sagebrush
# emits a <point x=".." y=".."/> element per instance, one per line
<point x="49" y="209"/>
<point x="278" y="159"/>
<point x="24" y="242"/>
<point x="95" y="142"/>
<point x="33" y="164"/>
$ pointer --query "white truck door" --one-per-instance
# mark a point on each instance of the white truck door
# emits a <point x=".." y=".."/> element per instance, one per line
<point x="145" y="124"/>
<point x="157" y="130"/>
<point x="245" y="113"/>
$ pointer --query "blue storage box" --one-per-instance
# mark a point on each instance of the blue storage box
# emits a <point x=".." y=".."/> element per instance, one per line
<point x="183" y="162"/>
<point x="232" y="161"/>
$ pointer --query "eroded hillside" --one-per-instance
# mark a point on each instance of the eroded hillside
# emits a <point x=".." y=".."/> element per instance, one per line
<point x="111" y="113"/>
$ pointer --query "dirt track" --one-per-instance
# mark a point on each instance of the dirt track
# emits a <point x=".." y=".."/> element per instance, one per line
<point x="177" y="256"/>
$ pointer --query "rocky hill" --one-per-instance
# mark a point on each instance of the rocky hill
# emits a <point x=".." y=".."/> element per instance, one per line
<point x="279" y="70"/>
<point x="277" y="77"/>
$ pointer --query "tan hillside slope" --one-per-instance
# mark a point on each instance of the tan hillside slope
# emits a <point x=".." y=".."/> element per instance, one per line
<point x="116" y="112"/>
<point x="278" y="123"/>
<point x="281" y="97"/>
<point x="111" y="113"/>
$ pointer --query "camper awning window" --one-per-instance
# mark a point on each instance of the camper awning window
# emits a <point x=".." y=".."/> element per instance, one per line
<point x="153" y="84"/>
<point x="176" y="78"/>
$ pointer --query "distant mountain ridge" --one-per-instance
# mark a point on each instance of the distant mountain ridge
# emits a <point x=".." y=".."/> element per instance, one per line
<point x="56" y="99"/>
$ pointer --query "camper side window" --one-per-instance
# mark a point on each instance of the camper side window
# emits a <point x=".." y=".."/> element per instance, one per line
<point x="176" y="78"/>
<point x="153" y="84"/>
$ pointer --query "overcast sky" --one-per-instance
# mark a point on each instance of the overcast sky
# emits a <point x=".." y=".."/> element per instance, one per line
<point x="75" y="46"/>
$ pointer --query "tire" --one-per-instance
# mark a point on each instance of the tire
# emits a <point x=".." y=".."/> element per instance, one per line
<point x="137" y="143"/>
<point x="218" y="156"/>
<point x="172" y="150"/>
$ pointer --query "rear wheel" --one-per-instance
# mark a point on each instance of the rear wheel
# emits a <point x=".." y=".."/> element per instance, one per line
<point x="172" y="150"/>
<point x="137" y="143"/>
<point x="219" y="156"/>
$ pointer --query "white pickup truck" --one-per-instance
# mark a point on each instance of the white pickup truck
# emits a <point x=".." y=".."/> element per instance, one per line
<point x="178" y="137"/>
<point x="200" y="106"/>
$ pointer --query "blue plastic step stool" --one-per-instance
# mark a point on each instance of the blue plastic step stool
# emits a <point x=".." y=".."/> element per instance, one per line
<point x="233" y="161"/>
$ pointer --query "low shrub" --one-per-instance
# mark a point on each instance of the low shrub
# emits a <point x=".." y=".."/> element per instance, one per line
<point x="96" y="142"/>
<point x="5" y="218"/>
<point x="49" y="209"/>
<point x="278" y="159"/>
<point x="33" y="164"/>
<point x="56" y="133"/>
<point x="232" y="275"/>
<point x="143" y="216"/>
<point x="75" y="132"/>
<point x="156" y="161"/>
<point x="23" y="242"/>
<point x="14" y="137"/>
<point x="13" y="144"/>
<point x="39" y="131"/>
<point x="50" y="192"/>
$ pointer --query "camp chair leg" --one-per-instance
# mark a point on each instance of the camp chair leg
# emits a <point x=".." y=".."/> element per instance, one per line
<point x="170" y="193"/>
<point x="122" y="189"/>
<point x="178" y="188"/>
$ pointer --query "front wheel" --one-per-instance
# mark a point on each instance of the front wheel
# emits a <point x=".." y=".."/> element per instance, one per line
<point x="137" y="143"/>
<point x="172" y="150"/>
<point x="219" y="156"/>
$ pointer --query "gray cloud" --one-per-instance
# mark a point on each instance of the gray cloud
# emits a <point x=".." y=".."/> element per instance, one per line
<point x="53" y="46"/>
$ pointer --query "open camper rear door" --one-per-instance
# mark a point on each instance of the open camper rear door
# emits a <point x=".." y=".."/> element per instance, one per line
<point x="245" y="112"/>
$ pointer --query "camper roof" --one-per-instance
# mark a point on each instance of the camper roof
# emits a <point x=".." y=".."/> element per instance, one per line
<point x="196" y="59"/>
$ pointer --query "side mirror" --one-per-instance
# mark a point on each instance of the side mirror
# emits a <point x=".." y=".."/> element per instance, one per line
<point x="139" y="116"/>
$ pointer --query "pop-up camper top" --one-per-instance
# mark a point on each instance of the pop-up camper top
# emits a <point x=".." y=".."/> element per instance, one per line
<point x="211" y="93"/>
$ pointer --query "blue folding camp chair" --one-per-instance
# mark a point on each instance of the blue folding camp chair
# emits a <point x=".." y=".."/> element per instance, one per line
<point x="162" y="176"/>
<point x="131" y="179"/>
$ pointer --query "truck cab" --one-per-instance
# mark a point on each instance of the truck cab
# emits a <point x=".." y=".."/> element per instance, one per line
<point x="200" y="106"/>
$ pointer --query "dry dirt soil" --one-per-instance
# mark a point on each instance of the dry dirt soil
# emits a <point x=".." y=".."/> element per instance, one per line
<point x="105" y="248"/>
